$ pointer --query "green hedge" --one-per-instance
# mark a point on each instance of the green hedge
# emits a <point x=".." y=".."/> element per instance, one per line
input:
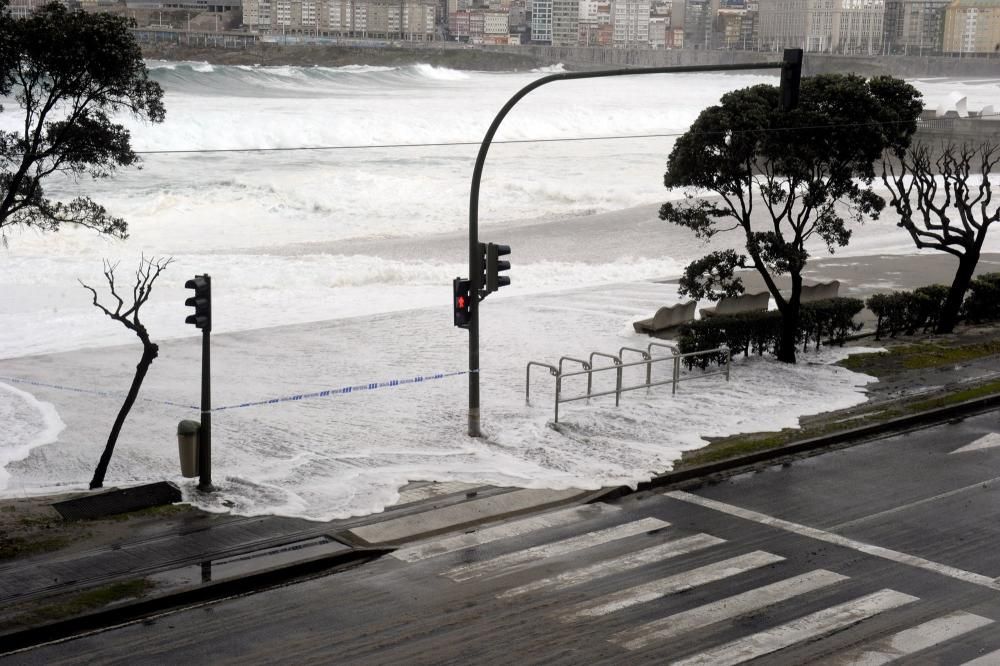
<point x="907" y="311"/>
<point x="983" y="301"/>
<point x="830" y="320"/>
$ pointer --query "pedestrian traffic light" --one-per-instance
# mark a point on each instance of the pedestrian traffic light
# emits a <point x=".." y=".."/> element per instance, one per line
<point x="461" y="302"/>
<point x="202" y="302"/>
<point x="494" y="265"/>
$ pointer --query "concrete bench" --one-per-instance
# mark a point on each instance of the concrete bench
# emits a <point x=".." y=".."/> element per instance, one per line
<point x="819" y="292"/>
<point x="666" y="318"/>
<point x="738" y="304"/>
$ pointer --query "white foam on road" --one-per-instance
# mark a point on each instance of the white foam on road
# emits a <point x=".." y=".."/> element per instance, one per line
<point x="27" y="423"/>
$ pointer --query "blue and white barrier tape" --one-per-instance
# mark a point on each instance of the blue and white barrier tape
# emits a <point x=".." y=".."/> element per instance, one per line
<point x="344" y="390"/>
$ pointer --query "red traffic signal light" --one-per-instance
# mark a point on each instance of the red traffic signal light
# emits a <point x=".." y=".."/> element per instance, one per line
<point x="461" y="302"/>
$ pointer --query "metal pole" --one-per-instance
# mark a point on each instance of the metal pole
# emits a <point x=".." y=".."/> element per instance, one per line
<point x="475" y="257"/>
<point x="205" y="434"/>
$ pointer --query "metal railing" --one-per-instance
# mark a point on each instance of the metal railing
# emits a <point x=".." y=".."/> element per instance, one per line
<point x="617" y="366"/>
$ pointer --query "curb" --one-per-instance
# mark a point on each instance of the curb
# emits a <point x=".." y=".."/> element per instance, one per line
<point x="852" y="436"/>
<point x="129" y="612"/>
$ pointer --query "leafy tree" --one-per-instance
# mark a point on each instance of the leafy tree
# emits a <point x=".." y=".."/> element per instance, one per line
<point x="69" y="71"/>
<point x="810" y="169"/>
<point x="128" y="316"/>
<point x="943" y="207"/>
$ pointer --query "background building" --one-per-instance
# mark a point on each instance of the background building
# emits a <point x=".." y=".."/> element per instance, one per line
<point x="630" y="23"/>
<point x="565" y="22"/>
<point x="914" y="27"/>
<point x="541" y="21"/>
<point x="972" y="26"/>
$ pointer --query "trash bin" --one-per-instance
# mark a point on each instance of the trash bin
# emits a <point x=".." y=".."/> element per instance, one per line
<point x="187" y="447"/>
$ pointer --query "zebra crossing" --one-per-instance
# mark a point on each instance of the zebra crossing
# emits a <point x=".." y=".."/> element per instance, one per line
<point x="610" y="550"/>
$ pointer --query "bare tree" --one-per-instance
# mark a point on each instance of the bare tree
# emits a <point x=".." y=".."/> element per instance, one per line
<point x="128" y="315"/>
<point x="943" y="208"/>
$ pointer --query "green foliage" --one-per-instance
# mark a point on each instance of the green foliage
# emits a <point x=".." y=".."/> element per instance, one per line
<point x="809" y="169"/>
<point x="829" y="321"/>
<point x="70" y="72"/>
<point x="906" y="312"/>
<point x="713" y="276"/>
<point x="983" y="301"/>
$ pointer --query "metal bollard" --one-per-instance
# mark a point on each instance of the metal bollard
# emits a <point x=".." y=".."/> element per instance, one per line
<point x="187" y="447"/>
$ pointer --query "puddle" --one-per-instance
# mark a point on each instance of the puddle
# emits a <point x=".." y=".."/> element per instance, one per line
<point x="248" y="563"/>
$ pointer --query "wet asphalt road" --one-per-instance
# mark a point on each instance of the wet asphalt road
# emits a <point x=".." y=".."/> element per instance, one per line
<point x="886" y="550"/>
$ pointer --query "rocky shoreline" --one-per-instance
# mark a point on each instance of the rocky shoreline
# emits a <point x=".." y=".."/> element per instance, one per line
<point x="304" y="55"/>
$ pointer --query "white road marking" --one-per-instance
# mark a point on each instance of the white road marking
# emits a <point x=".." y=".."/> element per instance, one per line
<point x="498" y="565"/>
<point x="836" y="539"/>
<point x="422" y="551"/>
<point x="988" y="441"/>
<point x="913" y="640"/>
<point x="725" y="609"/>
<point x="619" y="564"/>
<point x="681" y="582"/>
<point x="810" y="627"/>
<point x="979" y="485"/>
<point x="991" y="659"/>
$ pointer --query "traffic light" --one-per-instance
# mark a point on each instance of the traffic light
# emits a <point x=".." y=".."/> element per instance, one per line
<point x="493" y="267"/>
<point x="460" y="302"/>
<point x="202" y="302"/>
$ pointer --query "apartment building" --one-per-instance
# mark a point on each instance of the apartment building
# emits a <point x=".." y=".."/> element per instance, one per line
<point x="697" y="18"/>
<point x="412" y="20"/>
<point x="565" y="22"/>
<point x="858" y="27"/>
<point x="832" y="26"/>
<point x="594" y="25"/>
<point x="630" y="23"/>
<point x="914" y="27"/>
<point x="541" y="21"/>
<point x="972" y="26"/>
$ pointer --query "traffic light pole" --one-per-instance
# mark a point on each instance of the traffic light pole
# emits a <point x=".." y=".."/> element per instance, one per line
<point x="205" y="433"/>
<point x="791" y="66"/>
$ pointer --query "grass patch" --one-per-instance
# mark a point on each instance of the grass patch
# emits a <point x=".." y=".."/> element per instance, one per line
<point x="91" y="600"/>
<point x="980" y="391"/>
<point x="741" y="445"/>
<point x="919" y="356"/>
<point x="11" y="547"/>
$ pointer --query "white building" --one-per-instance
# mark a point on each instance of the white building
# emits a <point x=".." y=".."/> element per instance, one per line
<point x="832" y="26"/>
<point x="630" y="21"/>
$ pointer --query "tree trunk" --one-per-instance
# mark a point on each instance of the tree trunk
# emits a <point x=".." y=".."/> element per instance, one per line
<point x="790" y="321"/>
<point x="149" y="352"/>
<point x="953" y="304"/>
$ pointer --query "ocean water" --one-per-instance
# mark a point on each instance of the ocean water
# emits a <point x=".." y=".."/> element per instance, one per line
<point x="332" y="265"/>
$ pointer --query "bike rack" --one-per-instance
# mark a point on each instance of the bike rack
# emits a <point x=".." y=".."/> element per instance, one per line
<point x="647" y="359"/>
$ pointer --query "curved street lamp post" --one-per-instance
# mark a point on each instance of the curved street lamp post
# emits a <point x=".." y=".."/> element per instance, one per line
<point x="791" y="70"/>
